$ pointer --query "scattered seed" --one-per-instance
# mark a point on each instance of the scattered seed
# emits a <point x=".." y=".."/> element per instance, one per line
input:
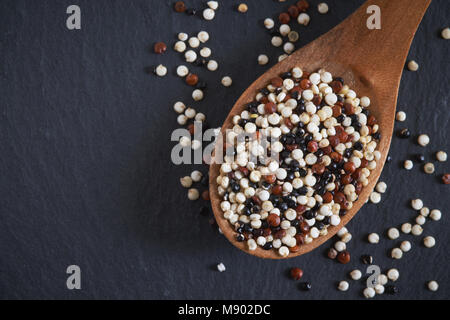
<point x="413" y="66"/>
<point x="180" y="6"/>
<point x="381" y="187"/>
<point x="208" y="14"/>
<point x="192" y="79"/>
<point x="441" y="156"/>
<point x="420" y="220"/>
<point x="405" y="246"/>
<point x="179" y="46"/>
<point x="446" y="178"/>
<point x="428" y="168"/>
<point x="423" y="140"/>
<point x="242" y="8"/>
<point x="161" y="70"/>
<point x="373" y="238"/>
<point x="182" y="71"/>
<point x="406" y="228"/>
<point x="404" y="133"/>
<point x="343" y="257"/>
<point x="445" y="33"/>
<point x="435" y="215"/>
<point x="393" y="274"/>
<point x="303" y="19"/>
<point x="159" y="47"/>
<point x="221" y="267"/>
<point x="293" y="36"/>
<point x="269" y="23"/>
<point x="379" y="289"/>
<point x="203" y="36"/>
<point x="194" y="42"/>
<point x="182" y="36"/>
<point x="186" y="182"/>
<point x="408" y="164"/>
<point x="179" y="107"/>
<point x="197" y="95"/>
<point x="212" y="65"/>
<point x="429" y="242"/>
<point x="433" y="285"/>
<point x="375" y="197"/>
<point x="396" y="253"/>
<point x="305" y="286"/>
<point x="366" y="259"/>
<point x="277" y="41"/>
<point x="322" y="8"/>
<point x="393" y="233"/>
<point x="401" y="116"/>
<point x="425" y="211"/>
<point x="190" y="56"/>
<point x="416" y="230"/>
<point x="263" y="59"/>
<point x="417" y="204"/>
<point x="369" y="293"/>
<point x="355" y="274"/>
<point x="205" y="52"/>
<point x="227" y="81"/>
<point x="296" y="273"/>
<point x="196" y="176"/>
<point x="332" y="253"/>
<point x="343" y="286"/>
<point x="214" y="5"/>
<point x="193" y="194"/>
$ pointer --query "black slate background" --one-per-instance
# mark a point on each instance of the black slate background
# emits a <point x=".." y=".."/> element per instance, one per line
<point x="85" y="171"/>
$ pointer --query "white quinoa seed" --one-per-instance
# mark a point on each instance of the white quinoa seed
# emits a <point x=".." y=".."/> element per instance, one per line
<point x="393" y="233"/>
<point x="433" y="285"/>
<point x="179" y="46"/>
<point x="263" y="59"/>
<point x="379" y="289"/>
<point x="161" y="70"/>
<point x="420" y="220"/>
<point x="186" y="182"/>
<point x="375" y="197"/>
<point x="269" y="23"/>
<point x="190" y="56"/>
<point x="205" y="52"/>
<point x="369" y="293"/>
<point x="400" y="116"/>
<point x="428" y="168"/>
<point x="221" y="267"/>
<point x="193" y="194"/>
<point x="212" y="65"/>
<point x="408" y="164"/>
<point x="383" y="279"/>
<point x="322" y="8"/>
<point x="182" y="71"/>
<point x="214" y="5"/>
<point x="381" y="187"/>
<point x="277" y="41"/>
<point x="429" y="241"/>
<point x="413" y="65"/>
<point x="423" y="140"/>
<point x="196" y="176"/>
<point x="373" y="238"/>
<point x="227" y="81"/>
<point x="182" y="119"/>
<point x="425" y="211"/>
<point x="445" y="33"/>
<point x="194" y="42"/>
<point x="405" y="246"/>
<point x="416" y="230"/>
<point x="303" y="19"/>
<point x="435" y="215"/>
<point x="393" y="274"/>
<point x="203" y="36"/>
<point x="356" y="274"/>
<point x="197" y="95"/>
<point x="343" y="286"/>
<point x="182" y="36"/>
<point x="417" y="204"/>
<point x="441" y="156"/>
<point x="208" y="14"/>
<point x="179" y="107"/>
<point x="406" y="228"/>
<point x="396" y="253"/>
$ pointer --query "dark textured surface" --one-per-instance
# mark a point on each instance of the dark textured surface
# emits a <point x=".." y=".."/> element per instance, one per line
<point x="85" y="166"/>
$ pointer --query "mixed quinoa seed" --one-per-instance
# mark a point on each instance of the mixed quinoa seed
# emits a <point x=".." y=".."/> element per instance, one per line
<point x="326" y="139"/>
<point x="283" y="204"/>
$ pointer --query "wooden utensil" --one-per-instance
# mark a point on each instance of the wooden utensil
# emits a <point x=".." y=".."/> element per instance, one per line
<point x="370" y="61"/>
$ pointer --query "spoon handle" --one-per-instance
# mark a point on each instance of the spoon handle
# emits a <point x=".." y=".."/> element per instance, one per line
<point x="383" y="50"/>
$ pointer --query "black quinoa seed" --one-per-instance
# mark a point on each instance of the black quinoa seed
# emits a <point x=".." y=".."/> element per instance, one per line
<point x="268" y="246"/>
<point x="404" y="133"/>
<point x="305" y="286"/>
<point x="420" y="158"/>
<point x="390" y="289"/>
<point x="240" y="238"/>
<point x="366" y="259"/>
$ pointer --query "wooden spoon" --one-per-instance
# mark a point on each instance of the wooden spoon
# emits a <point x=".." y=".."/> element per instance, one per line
<point x="370" y="61"/>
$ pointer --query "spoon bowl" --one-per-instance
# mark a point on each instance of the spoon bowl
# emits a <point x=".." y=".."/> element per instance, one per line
<point x="370" y="62"/>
